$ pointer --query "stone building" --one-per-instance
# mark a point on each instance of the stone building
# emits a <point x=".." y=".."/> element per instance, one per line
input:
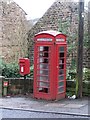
<point x="58" y="13"/>
<point x="61" y="16"/>
<point x="13" y="31"/>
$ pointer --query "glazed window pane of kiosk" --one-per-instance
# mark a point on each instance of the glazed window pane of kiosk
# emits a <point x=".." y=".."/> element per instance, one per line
<point x="43" y="69"/>
<point x="61" y="69"/>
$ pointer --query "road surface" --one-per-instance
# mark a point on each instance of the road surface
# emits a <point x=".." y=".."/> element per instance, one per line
<point x="12" y="113"/>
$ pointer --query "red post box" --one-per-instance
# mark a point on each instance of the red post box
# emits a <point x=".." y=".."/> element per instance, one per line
<point x="24" y="65"/>
<point x="50" y="65"/>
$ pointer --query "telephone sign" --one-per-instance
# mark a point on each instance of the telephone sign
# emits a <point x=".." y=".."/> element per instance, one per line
<point x="44" y="39"/>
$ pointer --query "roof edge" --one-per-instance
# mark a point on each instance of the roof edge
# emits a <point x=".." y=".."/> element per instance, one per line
<point x="50" y="32"/>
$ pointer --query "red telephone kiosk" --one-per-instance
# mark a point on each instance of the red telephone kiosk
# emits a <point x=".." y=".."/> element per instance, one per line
<point x="50" y="65"/>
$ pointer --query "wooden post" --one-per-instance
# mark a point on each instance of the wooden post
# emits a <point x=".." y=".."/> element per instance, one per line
<point x="89" y="24"/>
<point x="80" y="50"/>
<point x="25" y="87"/>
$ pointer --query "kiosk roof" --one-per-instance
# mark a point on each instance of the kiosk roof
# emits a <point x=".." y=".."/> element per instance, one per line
<point x="50" y="32"/>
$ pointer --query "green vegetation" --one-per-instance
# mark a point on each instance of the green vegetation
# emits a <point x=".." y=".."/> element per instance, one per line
<point x="11" y="70"/>
<point x="71" y="74"/>
<point x="86" y="74"/>
<point x="72" y="47"/>
<point x="31" y="71"/>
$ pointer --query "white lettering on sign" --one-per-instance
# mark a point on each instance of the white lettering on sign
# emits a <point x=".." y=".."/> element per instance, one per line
<point x="22" y="69"/>
<point x="44" y="39"/>
<point x="60" y="39"/>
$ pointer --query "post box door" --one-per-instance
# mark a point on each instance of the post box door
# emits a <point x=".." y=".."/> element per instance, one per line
<point x="61" y="68"/>
<point x="42" y="64"/>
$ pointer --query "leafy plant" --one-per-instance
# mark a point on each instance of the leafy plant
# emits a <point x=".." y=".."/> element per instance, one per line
<point x="86" y="74"/>
<point x="31" y="71"/>
<point x="71" y="74"/>
<point x="11" y="70"/>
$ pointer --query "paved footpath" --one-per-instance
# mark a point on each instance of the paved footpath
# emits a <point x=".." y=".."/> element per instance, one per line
<point x="65" y="106"/>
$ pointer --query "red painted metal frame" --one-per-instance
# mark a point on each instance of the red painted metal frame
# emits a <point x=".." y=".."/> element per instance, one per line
<point x="62" y="94"/>
<point x="37" y="93"/>
<point x="54" y="61"/>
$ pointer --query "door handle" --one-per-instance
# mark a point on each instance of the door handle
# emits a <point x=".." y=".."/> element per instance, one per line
<point x="57" y="67"/>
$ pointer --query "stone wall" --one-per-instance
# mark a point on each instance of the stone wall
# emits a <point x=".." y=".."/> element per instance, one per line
<point x="13" y="31"/>
<point x="60" y="12"/>
<point x="16" y="86"/>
